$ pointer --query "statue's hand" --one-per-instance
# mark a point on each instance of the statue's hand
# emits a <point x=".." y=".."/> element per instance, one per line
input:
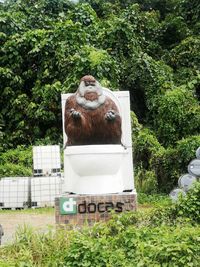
<point x="110" y="115"/>
<point x="75" y="114"/>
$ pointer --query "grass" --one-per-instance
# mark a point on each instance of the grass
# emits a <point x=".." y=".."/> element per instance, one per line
<point x="46" y="210"/>
<point x="129" y="240"/>
<point x="145" y="201"/>
<point x="155" y="235"/>
<point x="153" y="201"/>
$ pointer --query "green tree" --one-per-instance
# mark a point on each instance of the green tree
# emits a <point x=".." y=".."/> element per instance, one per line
<point x="150" y="48"/>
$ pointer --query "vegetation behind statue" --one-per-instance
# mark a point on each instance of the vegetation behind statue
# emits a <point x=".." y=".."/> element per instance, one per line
<point x="150" y="48"/>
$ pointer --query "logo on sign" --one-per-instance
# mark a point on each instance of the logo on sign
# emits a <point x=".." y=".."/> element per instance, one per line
<point x="68" y="206"/>
<point x="71" y="206"/>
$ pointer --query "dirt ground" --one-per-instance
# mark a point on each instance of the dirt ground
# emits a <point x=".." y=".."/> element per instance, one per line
<point x="11" y="221"/>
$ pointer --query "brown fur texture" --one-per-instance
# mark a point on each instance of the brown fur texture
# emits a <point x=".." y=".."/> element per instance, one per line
<point x="91" y="126"/>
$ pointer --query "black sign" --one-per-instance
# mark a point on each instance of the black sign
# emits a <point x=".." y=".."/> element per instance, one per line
<point x="100" y="207"/>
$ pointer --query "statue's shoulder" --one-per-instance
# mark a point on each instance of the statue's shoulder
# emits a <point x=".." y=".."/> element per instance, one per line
<point x="71" y="99"/>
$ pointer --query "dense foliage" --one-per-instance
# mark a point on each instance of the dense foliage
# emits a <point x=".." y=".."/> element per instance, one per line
<point x="159" y="246"/>
<point x="189" y="206"/>
<point x="164" y="236"/>
<point x="16" y="162"/>
<point x="150" y="48"/>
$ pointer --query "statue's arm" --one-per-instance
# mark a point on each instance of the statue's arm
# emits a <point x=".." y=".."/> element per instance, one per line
<point x="112" y="114"/>
<point x="70" y="110"/>
<point x="74" y="114"/>
<point x="75" y="124"/>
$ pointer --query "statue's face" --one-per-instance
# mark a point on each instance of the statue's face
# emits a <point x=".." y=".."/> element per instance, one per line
<point x="88" y="87"/>
<point x="90" y="84"/>
<point x="90" y="95"/>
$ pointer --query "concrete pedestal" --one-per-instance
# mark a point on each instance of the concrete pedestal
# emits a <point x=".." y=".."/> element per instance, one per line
<point x="78" y="210"/>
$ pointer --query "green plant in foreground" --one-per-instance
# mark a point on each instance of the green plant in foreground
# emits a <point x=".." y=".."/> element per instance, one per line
<point x="35" y="211"/>
<point x="164" y="236"/>
<point x="107" y="245"/>
<point x="154" y="199"/>
<point x="189" y="206"/>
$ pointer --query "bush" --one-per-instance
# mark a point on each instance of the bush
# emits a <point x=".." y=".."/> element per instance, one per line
<point x="178" y="116"/>
<point x="16" y="162"/>
<point x="135" y="125"/>
<point x="170" y="163"/>
<point x="167" y="236"/>
<point x="186" y="149"/>
<point x="146" y="181"/>
<point x="186" y="53"/>
<point x="124" y="241"/>
<point x="185" y="210"/>
<point x="21" y="155"/>
<point x="189" y="206"/>
<point x="167" y="169"/>
<point x="12" y="170"/>
<point x="145" y="146"/>
<point x="155" y="199"/>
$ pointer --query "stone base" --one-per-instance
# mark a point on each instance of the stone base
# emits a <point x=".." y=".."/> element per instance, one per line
<point x="78" y="210"/>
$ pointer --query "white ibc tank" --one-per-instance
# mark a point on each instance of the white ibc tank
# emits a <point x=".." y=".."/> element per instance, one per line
<point x="14" y="192"/>
<point x="46" y="160"/>
<point x="101" y="169"/>
<point x="44" y="190"/>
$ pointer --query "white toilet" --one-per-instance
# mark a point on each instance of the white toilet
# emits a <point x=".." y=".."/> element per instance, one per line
<point x="101" y="169"/>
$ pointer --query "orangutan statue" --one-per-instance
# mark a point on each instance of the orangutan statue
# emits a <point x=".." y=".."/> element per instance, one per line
<point x="91" y="117"/>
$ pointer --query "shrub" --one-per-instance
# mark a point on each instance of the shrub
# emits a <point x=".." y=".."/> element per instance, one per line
<point x="170" y="163"/>
<point x="189" y="206"/>
<point x="12" y="170"/>
<point x="135" y="125"/>
<point x="186" y="148"/>
<point x="167" y="169"/>
<point x="146" y="181"/>
<point x="155" y="199"/>
<point x="186" y="53"/>
<point x="20" y="155"/>
<point x="178" y="116"/>
<point x="186" y="209"/>
<point x="16" y="162"/>
<point x="123" y="241"/>
<point x="145" y="146"/>
<point x="161" y="237"/>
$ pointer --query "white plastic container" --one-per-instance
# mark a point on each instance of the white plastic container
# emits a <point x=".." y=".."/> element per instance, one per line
<point x="14" y="192"/>
<point x="44" y="190"/>
<point x="46" y="160"/>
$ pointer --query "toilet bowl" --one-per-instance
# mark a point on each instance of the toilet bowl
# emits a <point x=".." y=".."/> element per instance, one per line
<point x="95" y="169"/>
<point x="101" y="169"/>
